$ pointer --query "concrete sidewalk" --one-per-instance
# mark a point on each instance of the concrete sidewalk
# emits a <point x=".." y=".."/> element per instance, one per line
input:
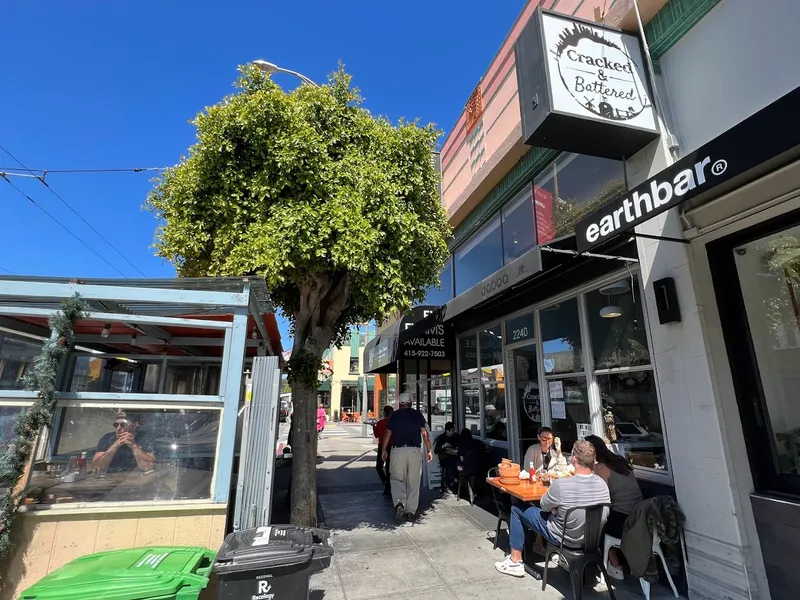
<point x="447" y="554"/>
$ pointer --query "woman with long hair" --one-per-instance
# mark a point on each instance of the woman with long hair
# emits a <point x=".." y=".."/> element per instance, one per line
<point x="623" y="487"/>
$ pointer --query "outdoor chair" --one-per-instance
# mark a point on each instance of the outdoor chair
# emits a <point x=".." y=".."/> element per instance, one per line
<point x="611" y="542"/>
<point x="576" y="560"/>
<point x="502" y="506"/>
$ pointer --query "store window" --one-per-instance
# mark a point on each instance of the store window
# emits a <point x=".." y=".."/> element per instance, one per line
<point x="561" y="338"/>
<point x="16" y="357"/>
<point x="354" y="365"/>
<point x="623" y="372"/>
<point x="573" y="185"/>
<point x="768" y="270"/>
<point x="112" y="454"/>
<point x="493" y="413"/>
<point x="519" y="228"/>
<point x="469" y="381"/>
<point x="480" y="257"/>
<point x="8" y="415"/>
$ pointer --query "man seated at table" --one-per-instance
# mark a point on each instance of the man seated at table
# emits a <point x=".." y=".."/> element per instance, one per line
<point x="547" y="520"/>
<point x="446" y="448"/>
<point x="120" y="450"/>
<point x="546" y="455"/>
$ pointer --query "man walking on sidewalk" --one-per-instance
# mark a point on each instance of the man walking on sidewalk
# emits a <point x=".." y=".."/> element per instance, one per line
<point x="382" y="465"/>
<point x="405" y="432"/>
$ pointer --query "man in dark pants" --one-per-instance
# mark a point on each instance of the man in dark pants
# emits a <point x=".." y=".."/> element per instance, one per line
<point x="406" y="431"/>
<point x="382" y="466"/>
<point x="446" y="448"/>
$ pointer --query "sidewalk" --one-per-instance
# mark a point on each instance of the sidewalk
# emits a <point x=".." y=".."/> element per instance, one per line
<point x="447" y="554"/>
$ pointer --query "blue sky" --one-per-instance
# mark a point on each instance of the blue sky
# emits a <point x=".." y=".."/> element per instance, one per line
<point x="94" y="85"/>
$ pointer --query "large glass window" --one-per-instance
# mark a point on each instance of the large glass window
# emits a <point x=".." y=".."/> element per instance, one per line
<point x="529" y="399"/>
<point x="491" y="341"/>
<point x="16" y="357"/>
<point x="480" y="257"/>
<point x="570" y="187"/>
<point x="519" y="228"/>
<point x="561" y="338"/>
<point x="8" y="415"/>
<point x="619" y="337"/>
<point x="569" y="408"/>
<point x="469" y="383"/>
<point x="108" y="454"/>
<point x="440" y="296"/>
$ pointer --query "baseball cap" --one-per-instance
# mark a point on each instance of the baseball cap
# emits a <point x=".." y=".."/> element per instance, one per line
<point x="404" y="399"/>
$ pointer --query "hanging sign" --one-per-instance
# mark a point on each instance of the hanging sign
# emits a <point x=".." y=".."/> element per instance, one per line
<point x="558" y="409"/>
<point x="556" y="389"/>
<point x="583" y="87"/>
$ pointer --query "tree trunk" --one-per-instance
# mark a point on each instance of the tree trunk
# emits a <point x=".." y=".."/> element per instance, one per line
<point x="304" y="454"/>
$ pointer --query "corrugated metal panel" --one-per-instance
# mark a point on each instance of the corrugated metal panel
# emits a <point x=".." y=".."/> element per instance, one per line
<point x="259" y="441"/>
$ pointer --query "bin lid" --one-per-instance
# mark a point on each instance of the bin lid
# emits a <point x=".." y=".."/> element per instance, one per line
<point x="134" y="574"/>
<point x="270" y="546"/>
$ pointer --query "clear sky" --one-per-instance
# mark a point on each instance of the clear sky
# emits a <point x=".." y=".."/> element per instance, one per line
<point x="112" y="84"/>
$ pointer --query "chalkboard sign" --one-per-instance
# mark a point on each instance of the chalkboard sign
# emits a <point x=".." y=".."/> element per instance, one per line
<point x="519" y="329"/>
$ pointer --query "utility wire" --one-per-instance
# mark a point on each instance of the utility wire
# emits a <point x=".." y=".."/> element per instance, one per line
<point x="124" y="170"/>
<point x="6" y="271"/>
<point x="60" y="224"/>
<point x="68" y="205"/>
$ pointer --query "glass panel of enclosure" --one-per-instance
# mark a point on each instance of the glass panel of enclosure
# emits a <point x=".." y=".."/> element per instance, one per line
<point x="16" y="357"/>
<point x="8" y="414"/>
<point x="126" y="454"/>
<point x="479" y="257"/>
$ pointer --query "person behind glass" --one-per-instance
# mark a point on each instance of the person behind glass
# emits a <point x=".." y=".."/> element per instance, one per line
<point x="446" y="448"/>
<point x="405" y="432"/>
<point x="382" y="466"/>
<point x="547" y="520"/>
<point x="623" y="486"/>
<point x="546" y="455"/>
<point x="121" y="449"/>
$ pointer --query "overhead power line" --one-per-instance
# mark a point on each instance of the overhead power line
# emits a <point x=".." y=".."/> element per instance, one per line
<point x="60" y="224"/>
<point x="68" y="205"/>
<point x="6" y="271"/>
<point x="45" y="172"/>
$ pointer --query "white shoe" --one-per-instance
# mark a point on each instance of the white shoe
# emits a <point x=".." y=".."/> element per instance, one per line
<point x="615" y="572"/>
<point x="509" y="567"/>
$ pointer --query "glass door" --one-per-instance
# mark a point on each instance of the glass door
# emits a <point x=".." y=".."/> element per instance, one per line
<point x="527" y="396"/>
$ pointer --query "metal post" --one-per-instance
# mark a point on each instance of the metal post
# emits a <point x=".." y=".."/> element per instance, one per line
<point x="364" y="408"/>
<point x="233" y="363"/>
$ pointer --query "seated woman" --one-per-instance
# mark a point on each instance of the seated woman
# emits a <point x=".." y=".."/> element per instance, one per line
<point x="545" y="456"/>
<point x="617" y="472"/>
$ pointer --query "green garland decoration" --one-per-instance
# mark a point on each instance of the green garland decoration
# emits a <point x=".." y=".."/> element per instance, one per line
<point x="40" y="378"/>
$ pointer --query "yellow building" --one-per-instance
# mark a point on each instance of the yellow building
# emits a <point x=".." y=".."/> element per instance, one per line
<point x="347" y="382"/>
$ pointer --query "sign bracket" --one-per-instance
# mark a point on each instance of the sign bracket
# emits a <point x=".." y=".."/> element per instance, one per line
<point x="624" y="259"/>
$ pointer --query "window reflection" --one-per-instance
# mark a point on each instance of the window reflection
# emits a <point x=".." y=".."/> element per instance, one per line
<point x="16" y="357"/>
<point x="561" y="338"/>
<point x="569" y="188"/>
<point x="631" y="400"/>
<point x="480" y="257"/>
<point x="519" y="233"/>
<point x="494" y="412"/>
<point x="491" y="345"/>
<point x="468" y="359"/>
<point x="440" y="296"/>
<point x="568" y="397"/>
<point x="618" y="341"/>
<point x="108" y="454"/>
<point x="8" y="415"/>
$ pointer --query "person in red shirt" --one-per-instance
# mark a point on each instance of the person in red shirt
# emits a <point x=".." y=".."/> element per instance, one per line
<point x="381" y="466"/>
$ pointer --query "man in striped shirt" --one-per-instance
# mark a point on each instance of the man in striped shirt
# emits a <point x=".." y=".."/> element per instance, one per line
<point x="584" y="489"/>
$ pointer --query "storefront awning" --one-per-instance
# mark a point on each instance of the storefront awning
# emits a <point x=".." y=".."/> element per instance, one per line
<point x="403" y="339"/>
<point x="762" y="143"/>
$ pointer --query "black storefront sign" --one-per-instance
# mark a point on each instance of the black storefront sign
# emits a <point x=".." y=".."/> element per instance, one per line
<point x="427" y="343"/>
<point x="583" y="87"/>
<point x="760" y="143"/>
<point x="519" y="329"/>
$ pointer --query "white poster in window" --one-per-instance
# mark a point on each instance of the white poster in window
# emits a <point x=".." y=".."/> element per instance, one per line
<point x="584" y="429"/>
<point x="556" y="390"/>
<point x="558" y="409"/>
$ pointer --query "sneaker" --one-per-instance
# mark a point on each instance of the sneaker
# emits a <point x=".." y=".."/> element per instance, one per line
<point x="411" y="517"/>
<point x="615" y="572"/>
<point x="509" y="567"/>
<point x="399" y="513"/>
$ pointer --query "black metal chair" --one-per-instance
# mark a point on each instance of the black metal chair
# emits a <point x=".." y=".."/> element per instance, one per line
<point x="502" y="505"/>
<point x="578" y="559"/>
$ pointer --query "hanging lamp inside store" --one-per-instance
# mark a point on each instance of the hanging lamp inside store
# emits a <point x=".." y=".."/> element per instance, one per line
<point x="610" y="312"/>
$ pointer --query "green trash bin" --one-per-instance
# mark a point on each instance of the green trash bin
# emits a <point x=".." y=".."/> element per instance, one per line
<point x="154" y="573"/>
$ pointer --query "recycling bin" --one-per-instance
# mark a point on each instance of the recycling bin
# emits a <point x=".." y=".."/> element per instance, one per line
<point x="271" y="563"/>
<point x="153" y="573"/>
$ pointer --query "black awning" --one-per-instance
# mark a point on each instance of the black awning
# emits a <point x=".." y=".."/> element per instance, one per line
<point x="382" y="353"/>
<point x="762" y="142"/>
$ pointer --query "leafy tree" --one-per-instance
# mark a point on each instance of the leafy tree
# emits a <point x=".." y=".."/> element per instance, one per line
<point x="337" y="209"/>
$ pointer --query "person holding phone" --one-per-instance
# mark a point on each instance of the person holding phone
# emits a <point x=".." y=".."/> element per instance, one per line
<point x="121" y="449"/>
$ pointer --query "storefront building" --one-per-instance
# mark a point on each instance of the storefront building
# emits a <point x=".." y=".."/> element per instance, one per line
<point x="623" y="262"/>
<point x="349" y="380"/>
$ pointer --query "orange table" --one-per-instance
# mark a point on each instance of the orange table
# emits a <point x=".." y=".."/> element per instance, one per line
<point x="525" y="490"/>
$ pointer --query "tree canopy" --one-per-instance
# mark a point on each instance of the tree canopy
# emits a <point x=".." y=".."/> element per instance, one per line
<point x="337" y="209"/>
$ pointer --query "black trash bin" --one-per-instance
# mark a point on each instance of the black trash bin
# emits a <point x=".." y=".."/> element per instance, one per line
<point x="271" y="563"/>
